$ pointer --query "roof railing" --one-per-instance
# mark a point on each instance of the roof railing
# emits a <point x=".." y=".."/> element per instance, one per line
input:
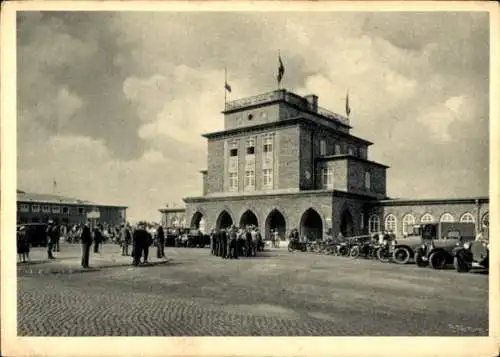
<point x="288" y="97"/>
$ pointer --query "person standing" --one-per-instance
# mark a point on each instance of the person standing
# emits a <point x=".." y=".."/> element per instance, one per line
<point x="51" y="236"/>
<point x="276" y="239"/>
<point x="160" y="238"/>
<point x="223" y="243"/>
<point x="86" y="241"/>
<point x="125" y="238"/>
<point x="97" y="238"/>
<point x="23" y="247"/>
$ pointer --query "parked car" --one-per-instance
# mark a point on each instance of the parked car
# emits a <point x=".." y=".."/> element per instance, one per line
<point x="36" y="233"/>
<point x="404" y="249"/>
<point x="470" y="255"/>
<point x="197" y="238"/>
<point x="436" y="253"/>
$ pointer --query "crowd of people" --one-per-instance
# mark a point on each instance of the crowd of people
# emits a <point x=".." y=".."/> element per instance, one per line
<point x="234" y="242"/>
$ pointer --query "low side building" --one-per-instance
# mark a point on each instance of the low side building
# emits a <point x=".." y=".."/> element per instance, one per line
<point x="36" y="207"/>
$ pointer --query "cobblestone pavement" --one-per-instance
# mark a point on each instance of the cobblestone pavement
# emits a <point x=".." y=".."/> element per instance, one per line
<point x="277" y="294"/>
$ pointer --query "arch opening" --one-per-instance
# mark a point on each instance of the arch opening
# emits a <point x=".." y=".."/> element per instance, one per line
<point x="275" y="220"/>
<point x="198" y="222"/>
<point x="311" y="225"/>
<point x="224" y="220"/>
<point x="346" y="224"/>
<point x="248" y="219"/>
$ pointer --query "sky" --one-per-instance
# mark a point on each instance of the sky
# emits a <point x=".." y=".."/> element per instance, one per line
<point x="112" y="105"/>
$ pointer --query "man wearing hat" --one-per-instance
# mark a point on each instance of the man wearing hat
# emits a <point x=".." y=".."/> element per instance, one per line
<point x="52" y="238"/>
<point x="86" y="240"/>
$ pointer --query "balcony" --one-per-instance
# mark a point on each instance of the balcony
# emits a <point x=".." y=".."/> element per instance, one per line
<point x="288" y="97"/>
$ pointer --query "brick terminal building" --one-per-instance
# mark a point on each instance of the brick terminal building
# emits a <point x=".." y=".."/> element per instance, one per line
<point x="283" y="162"/>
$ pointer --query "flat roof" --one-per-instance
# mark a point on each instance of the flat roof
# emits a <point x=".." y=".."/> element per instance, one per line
<point x="32" y="197"/>
<point x="352" y="157"/>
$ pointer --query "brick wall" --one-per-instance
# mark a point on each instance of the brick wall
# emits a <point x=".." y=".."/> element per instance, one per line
<point x="287" y="158"/>
<point x="436" y="210"/>
<point x="356" y="178"/>
<point x="215" y="166"/>
<point x="292" y="207"/>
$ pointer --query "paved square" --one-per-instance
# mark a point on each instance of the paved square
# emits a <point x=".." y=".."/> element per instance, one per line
<point x="277" y="294"/>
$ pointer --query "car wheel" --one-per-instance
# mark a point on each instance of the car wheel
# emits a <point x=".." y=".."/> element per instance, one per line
<point x="460" y="265"/>
<point x="437" y="260"/>
<point x="382" y="255"/>
<point x="354" y="253"/>
<point x="418" y="259"/>
<point x="401" y="255"/>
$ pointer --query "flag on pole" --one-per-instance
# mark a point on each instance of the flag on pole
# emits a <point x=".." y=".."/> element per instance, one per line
<point x="281" y="69"/>
<point x="226" y="85"/>
<point x="347" y="107"/>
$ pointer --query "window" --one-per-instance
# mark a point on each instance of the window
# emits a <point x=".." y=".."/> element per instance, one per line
<point x="81" y="210"/>
<point x="362" y="153"/>
<point x="233" y="181"/>
<point x="447" y="218"/>
<point x="485" y="221"/>
<point x="322" y="148"/>
<point x="268" y="177"/>
<point x="338" y="149"/>
<point x="250" y="146"/>
<point x="367" y="180"/>
<point x="249" y="179"/>
<point x="373" y="224"/>
<point x="407" y="221"/>
<point x="268" y="144"/>
<point x="233" y="152"/>
<point x="23" y="207"/>
<point x="327" y="177"/>
<point x="362" y="221"/>
<point x="351" y="151"/>
<point x="391" y="223"/>
<point x="35" y="208"/>
<point x="46" y="209"/>
<point x="56" y="209"/>
<point x="467" y="218"/>
<point x="427" y="218"/>
<point x="65" y="210"/>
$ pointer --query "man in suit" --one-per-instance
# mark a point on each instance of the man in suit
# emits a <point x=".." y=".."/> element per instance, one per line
<point x="86" y="240"/>
<point x="52" y="235"/>
<point x="97" y="238"/>
<point x="160" y="242"/>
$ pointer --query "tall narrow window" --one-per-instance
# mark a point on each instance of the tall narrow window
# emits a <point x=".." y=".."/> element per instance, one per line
<point x="35" y="208"/>
<point x="268" y="178"/>
<point x="249" y="180"/>
<point x="233" y="181"/>
<point x="267" y="144"/>
<point x="368" y="183"/>
<point x="408" y="220"/>
<point x="391" y="223"/>
<point x="327" y="177"/>
<point x="338" y="149"/>
<point x="351" y="151"/>
<point x="374" y="223"/>
<point x="322" y="147"/>
<point x="250" y="146"/>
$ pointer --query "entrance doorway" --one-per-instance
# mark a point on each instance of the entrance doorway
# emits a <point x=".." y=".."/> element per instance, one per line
<point x="224" y="221"/>
<point x="275" y="220"/>
<point x="198" y="222"/>
<point x="248" y="219"/>
<point x="311" y="225"/>
<point x="346" y="224"/>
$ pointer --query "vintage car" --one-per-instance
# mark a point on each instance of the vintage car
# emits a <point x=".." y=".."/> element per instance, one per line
<point x="436" y="253"/>
<point x="36" y="233"/>
<point x="422" y="234"/>
<point x="475" y="254"/>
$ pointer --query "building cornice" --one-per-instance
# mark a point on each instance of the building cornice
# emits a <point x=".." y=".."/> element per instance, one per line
<point x="433" y="201"/>
<point x="172" y="210"/>
<point x="282" y="123"/>
<point x="82" y="204"/>
<point x="260" y="195"/>
<point x="351" y="157"/>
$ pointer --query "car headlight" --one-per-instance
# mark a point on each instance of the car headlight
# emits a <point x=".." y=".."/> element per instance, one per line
<point x="467" y="245"/>
<point x="423" y="246"/>
<point x="394" y="242"/>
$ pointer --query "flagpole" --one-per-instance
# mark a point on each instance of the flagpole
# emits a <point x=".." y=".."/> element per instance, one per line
<point x="225" y="89"/>
<point x="279" y="81"/>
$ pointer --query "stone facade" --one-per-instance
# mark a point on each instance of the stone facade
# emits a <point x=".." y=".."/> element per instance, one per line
<point x="283" y="162"/>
